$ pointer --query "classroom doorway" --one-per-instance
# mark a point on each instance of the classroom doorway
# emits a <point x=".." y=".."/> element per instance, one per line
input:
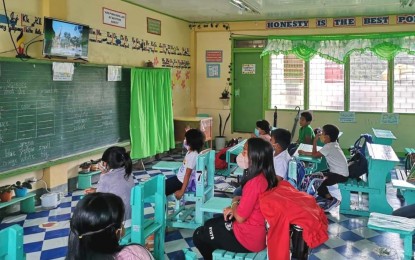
<point x="248" y="91"/>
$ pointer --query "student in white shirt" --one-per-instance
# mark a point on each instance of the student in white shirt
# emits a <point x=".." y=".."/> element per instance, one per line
<point x="336" y="161"/>
<point x="280" y="140"/>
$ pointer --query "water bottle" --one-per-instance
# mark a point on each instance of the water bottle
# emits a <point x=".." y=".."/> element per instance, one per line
<point x="292" y="171"/>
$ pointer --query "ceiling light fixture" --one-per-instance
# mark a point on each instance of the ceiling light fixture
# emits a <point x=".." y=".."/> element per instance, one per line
<point x="243" y="6"/>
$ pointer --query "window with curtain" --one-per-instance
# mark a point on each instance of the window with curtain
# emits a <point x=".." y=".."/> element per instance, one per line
<point x="404" y="83"/>
<point x="326" y="85"/>
<point x="287" y="81"/>
<point x="368" y="83"/>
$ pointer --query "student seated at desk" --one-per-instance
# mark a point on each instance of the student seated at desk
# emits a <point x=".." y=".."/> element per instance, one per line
<point x="280" y="140"/>
<point x="178" y="184"/>
<point x="117" y="177"/>
<point x="241" y="229"/>
<point x="338" y="170"/>
<point x="305" y="133"/>
<point x="96" y="227"/>
<point x="262" y="130"/>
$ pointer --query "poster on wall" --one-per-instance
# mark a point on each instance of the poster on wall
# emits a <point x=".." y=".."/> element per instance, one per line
<point x="389" y="119"/>
<point x="347" y="117"/>
<point x="213" y="70"/>
<point x="153" y="26"/>
<point x="214" y="56"/>
<point x="113" y="18"/>
<point x="248" y="68"/>
<point x="114" y="73"/>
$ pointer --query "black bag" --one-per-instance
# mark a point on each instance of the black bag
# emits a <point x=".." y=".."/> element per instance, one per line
<point x="357" y="165"/>
<point x="299" y="248"/>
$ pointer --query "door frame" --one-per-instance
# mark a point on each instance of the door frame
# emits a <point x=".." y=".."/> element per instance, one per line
<point x="265" y="77"/>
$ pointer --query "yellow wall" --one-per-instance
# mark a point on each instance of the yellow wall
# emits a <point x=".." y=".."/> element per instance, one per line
<point x="173" y="32"/>
<point x="208" y="90"/>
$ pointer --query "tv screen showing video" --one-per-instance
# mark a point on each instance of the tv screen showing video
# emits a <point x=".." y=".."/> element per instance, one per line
<point x="65" y="39"/>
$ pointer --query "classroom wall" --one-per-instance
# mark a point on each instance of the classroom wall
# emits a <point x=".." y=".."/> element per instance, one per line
<point x="173" y="32"/>
<point x="208" y="90"/>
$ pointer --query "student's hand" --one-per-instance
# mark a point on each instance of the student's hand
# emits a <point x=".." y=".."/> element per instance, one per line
<point x="178" y="194"/>
<point x="317" y="135"/>
<point x="300" y="152"/>
<point x="90" y="190"/>
<point x="253" y="135"/>
<point x="236" y="198"/>
<point x="227" y="213"/>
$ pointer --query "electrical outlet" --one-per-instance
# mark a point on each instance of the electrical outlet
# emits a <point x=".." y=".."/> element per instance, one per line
<point x="31" y="179"/>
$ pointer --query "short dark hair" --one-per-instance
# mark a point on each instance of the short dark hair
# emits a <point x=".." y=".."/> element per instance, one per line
<point x="307" y="115"/>
<point x="195" y="139"/>
<point x="282" y="137"/>
<point x="117" y="157"/>
<point x="93" y="227"/>
<point x="332" y="131"/>
<point x="264" y="125"/>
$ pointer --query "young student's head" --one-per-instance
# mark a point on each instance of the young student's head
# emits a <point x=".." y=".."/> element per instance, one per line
<point x="280" y="139"/>
<point x="305" y="118"/>
<point x="195" y="139"/>
<point x="260" y="154"/>
<point x="263" y="127"/>
<point x="96" y="227"/>
<point x="117" y="157"/>
<point x="330" y="133"/>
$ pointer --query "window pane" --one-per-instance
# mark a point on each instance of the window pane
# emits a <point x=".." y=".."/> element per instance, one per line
<point x="250" y="43"/>
<point x="368" y="84"/>
<point x="404" y="85"/>
<point x="287" y="81"/>
<point x="326" y="85"/>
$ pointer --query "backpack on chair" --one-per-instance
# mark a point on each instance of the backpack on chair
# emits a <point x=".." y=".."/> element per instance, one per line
<point x="357" y="164"/>
<point x="360" y="144"/>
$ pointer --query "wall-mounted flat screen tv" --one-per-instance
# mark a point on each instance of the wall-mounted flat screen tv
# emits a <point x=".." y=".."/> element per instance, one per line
<point x="65" y="39"/>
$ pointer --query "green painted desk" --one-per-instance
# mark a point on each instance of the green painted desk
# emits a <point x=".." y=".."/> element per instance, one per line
<point x="235" y="150"/>
<point x="316" y="162"/>
<point x="383" y="136"/>
<point x="85" y="179"/>
<point x="381" y="159"/>
<point x="216" y="205"/>
<point x="27" y="203"/>
<point x="168" y="165"/>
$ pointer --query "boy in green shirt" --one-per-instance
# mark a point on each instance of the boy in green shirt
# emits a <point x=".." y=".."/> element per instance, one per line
<point x="306" y="133"/>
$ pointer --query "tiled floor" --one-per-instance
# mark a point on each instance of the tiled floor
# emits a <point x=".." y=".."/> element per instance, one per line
<point x="349" y="236"/>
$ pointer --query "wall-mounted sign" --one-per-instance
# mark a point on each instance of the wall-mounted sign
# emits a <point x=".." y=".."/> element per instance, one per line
<point x="114" y="73"/>
<point x="153" y="26"/>
<point x="213" y="70"/>
<point x="389" y="119"/>
<point x="214" y="56"/>
<point x="248" y="68"/>
<point x="405" y="19"/>
<point x="347" y="117"/>
<point x="113" y="18"/>
<point x="375" y="20"/>
<point x="287" y="24"/>
<point x="344" y="22"/>
<point x="321" y="22"/>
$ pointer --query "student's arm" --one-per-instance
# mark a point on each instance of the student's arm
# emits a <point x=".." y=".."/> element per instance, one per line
<point x="231" y="211"/>
<point x="314" y="152"/>
<point x="308" y="139"/>
<point x="179" y="194"/>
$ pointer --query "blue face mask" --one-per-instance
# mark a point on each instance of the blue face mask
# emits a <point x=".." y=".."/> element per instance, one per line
<point x="256" y="132"/>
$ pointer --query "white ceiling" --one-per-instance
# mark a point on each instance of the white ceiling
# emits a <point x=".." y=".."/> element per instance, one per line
<point x="223" y="10"/>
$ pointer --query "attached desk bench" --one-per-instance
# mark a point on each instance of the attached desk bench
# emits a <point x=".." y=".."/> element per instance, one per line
<point x="381" y="159"/>
<point x="407" y="189"/>
<point x="85" y="179"/>
<point x="317" y="163"/>
<point x="231" y="152"/>
<point x="168" y="165"/>
<point x="386" y="137"/>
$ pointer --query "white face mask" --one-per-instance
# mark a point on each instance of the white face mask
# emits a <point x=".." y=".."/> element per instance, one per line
<point x="185" y="145"/>
<point x="242" y="161"/>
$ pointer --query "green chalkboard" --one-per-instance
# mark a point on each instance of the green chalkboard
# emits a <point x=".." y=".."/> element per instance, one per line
<point x="42" y="119"/>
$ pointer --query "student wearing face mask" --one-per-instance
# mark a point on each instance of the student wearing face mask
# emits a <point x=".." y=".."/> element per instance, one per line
<point x="243" y="162"/>
<point x="242" y="229"/>
<point x="262" y="130"/>
<point x="178" y="183"/>
<point x="280" y="140"/>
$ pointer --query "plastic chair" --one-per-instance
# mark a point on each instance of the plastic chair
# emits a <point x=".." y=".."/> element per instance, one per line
<point x="151" y="191"/>
<point x="11" y="246"/>
<point x="191" y="216"/>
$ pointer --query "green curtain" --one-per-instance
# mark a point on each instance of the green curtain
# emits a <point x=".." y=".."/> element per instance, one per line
<point x="338" y="47"/>
<point x="151" y="116"/>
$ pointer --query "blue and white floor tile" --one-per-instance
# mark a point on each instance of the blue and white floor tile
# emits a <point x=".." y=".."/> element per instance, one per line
<point x="349" y="236"/>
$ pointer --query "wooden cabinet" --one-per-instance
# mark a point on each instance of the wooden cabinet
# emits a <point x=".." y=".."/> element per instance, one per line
<point x="203" y="123"/>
